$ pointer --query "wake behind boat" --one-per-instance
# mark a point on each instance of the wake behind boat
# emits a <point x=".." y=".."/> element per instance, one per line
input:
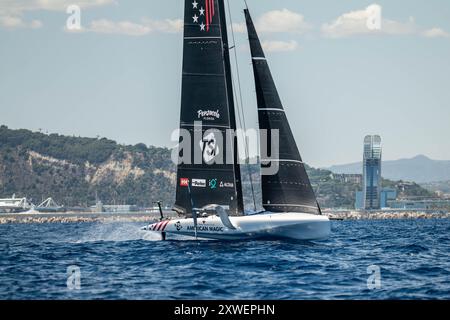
<point x="209" y="192"/>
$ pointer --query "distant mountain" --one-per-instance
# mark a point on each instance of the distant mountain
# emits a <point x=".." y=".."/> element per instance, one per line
<point x="438" y="186"/>
<point x="419" y="169"/>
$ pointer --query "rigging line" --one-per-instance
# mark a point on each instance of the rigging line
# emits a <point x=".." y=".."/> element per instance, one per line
<point x="237" y="102"/>
<point x="236" y="66"/>
<point x="241" y="107"/>
<point x="238" y="106"/>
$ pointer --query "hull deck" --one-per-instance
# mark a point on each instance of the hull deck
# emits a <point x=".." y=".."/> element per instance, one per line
<point x="299" y="226"/>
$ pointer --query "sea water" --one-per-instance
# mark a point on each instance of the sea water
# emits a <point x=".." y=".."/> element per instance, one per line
<point x="389" y="259"/>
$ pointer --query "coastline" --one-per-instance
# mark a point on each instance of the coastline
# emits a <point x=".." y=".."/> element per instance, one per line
<point x="385" y="215"/>
<point x="40" y="218"/>
<point x="6" y="218"/>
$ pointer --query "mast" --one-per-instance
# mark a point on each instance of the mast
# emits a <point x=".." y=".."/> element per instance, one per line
<point x="289" y="190"/>
<point x="207" y="96"/>
<point x="232" y="110"/>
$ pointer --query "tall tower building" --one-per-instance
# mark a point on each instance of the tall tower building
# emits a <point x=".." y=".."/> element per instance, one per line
<point x="372" y="172"/>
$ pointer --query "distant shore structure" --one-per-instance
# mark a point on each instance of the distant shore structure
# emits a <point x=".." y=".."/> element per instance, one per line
<point x="370" y="196"/>
<point x="14" y="204"/>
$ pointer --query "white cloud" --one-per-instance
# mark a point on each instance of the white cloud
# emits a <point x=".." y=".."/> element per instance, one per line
<point x="435" y="33"/>
<point x="12" y="11"/>
<point x="61" y="5"/>
<point x="18" y="7"/>
<point x="14" y="22"/>
<point x="282" y="21"/>
<point x="392" y="27"/>
<point x="356" y="23"/>
<point x="122" y="27"/>
<point x="277" y="21"/>
<point x="279" y="46"/>
<point x="165" y="26"/>
<point x="11" y="22"/>
<point x="145" y="27"/>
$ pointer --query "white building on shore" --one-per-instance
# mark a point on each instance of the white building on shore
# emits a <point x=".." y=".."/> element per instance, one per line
<point x="14" y="204"/>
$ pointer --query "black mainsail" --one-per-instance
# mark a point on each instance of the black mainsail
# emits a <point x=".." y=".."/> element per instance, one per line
<point x="207" y="97"/>
<point x="290" y="189"/>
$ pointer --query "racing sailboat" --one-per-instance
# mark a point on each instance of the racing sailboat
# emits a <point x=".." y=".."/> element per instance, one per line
<point x="209" y="193"/>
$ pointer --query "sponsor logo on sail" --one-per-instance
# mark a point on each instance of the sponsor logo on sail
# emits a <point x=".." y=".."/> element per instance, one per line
<point x="213" y="183"/>
<point x="226" y="184"/>
<point x="199" y="183"/>
<point x="184" y="182"/>
<point x="208" y="114"/>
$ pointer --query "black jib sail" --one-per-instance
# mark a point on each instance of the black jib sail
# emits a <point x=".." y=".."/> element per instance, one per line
<point x="207" y="175"/>
<point x="290" y="189"/>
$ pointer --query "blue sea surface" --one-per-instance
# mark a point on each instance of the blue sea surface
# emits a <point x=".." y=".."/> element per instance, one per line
<point x="119" y="261"/>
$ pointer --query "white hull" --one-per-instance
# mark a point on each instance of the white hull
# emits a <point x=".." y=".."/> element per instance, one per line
<point x="299" y="226"/>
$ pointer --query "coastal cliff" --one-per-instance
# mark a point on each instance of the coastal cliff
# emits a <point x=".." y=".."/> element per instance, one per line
<point x="74" y="171"/>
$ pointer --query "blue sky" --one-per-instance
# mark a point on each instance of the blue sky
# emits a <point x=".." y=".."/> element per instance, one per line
<point x="120" y="76"/>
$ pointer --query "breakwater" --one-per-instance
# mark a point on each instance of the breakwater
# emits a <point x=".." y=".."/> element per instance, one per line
<point x="153" y="217"/>
<point x="81" y="217"/>
<point x="385" y="215"/>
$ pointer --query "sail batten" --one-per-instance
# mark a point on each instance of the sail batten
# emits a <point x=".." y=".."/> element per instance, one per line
<point x="289" y="190"/>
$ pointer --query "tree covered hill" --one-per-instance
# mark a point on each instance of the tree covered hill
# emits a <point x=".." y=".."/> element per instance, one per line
<point x="74" y="170"/>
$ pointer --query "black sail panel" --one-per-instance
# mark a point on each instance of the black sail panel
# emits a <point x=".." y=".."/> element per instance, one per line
<point x="205" y="98"/>
<point x="289" y="190"/>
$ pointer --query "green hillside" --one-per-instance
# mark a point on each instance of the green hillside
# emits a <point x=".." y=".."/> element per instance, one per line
<point x="72" y="170"/>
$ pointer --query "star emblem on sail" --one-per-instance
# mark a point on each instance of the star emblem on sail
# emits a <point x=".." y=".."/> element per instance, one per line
<point x="203" y="15"/>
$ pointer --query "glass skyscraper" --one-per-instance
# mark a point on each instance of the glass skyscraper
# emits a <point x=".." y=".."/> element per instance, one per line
<point x="372" y="172"/>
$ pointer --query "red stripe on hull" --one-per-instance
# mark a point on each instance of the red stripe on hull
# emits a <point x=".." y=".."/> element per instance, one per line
<point x="165" y="225"/>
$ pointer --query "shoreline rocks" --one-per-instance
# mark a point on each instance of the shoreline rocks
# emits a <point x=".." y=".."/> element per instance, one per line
<point x="78" y="218"/>
<point x="148" y="218"/>
<point x="386" y="215"/>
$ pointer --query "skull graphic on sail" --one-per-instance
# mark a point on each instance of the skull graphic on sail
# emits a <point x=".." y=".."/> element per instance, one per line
<point x="209" y="147"/>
